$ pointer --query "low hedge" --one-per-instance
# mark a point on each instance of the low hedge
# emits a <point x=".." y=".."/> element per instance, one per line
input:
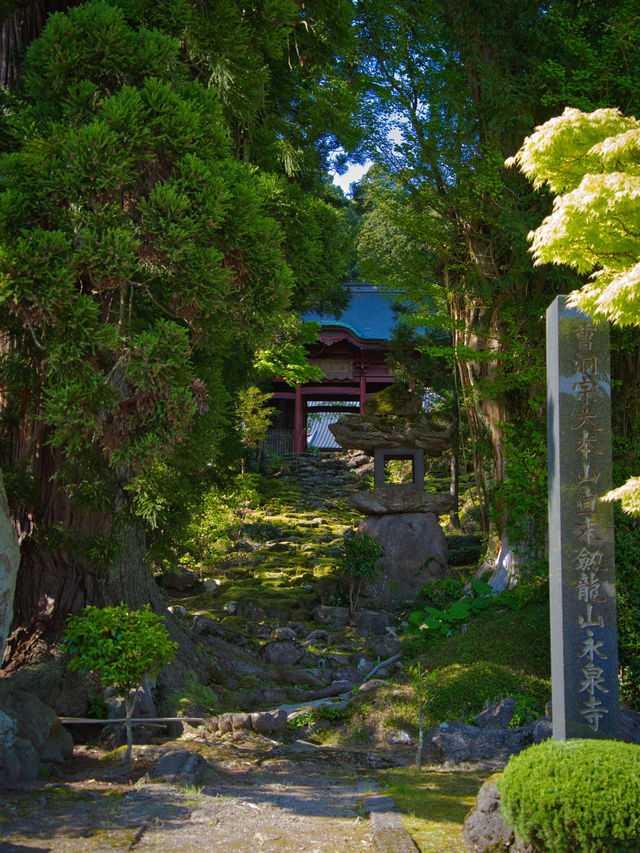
<point x="576" y="796"/>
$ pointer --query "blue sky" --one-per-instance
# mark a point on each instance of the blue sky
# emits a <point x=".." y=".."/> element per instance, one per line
<point x="353" y="173"/>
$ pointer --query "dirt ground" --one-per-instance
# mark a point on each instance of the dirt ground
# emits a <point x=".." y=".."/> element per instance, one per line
<point x="256" y="796"/>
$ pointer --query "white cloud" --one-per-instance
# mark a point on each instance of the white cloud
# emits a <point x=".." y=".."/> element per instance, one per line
<point x="354" y="173"/>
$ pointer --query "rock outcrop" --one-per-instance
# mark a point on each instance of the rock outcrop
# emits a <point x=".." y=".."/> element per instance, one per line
<point x="429" y="431"/>
<point x="30" y="733"/>
<point x="454" y="743"/>
<point x="415" y="553"/>
<point x="484" y="830"/>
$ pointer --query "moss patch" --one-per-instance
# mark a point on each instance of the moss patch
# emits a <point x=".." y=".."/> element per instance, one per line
<point x="505" y="638"/>
<point x="461" y="691"/>
<point x="434" y="805"/>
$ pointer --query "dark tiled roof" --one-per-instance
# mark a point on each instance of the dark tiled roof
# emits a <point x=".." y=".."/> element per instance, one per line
<point x="368" y="315"/>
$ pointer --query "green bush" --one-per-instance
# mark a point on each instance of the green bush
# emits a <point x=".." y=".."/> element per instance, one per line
<point x="461" y="691"/>
<point x="464" y="550"/>
<point x="576" y="796"/>
<point x="359" y="562"/>
<point x="122" y="647"/>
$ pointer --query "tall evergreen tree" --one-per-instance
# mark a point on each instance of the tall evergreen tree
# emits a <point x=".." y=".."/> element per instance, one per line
<point x="454" y="88"/>
<point x="140" y="256"/>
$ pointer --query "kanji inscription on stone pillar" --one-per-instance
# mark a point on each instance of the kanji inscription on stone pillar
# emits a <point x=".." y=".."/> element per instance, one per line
<point x="584" y="649"/>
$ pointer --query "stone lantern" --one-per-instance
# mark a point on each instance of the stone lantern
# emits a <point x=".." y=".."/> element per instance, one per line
<point x="403" y="518"/>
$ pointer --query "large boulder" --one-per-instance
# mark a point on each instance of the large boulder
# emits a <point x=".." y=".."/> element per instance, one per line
<point x="30" y="732"/>
<point x="65" y="691"/>
<point x="395" y="399"/>
<point x="484" y="830"/>
<point x="453" y="743"/>
<point x="415" y="554"/>
<point x="400" y="498"/>
<point x="430" y="431"/>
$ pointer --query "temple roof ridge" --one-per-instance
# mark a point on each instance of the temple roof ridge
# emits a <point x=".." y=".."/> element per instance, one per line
<point x="368" y="315"/>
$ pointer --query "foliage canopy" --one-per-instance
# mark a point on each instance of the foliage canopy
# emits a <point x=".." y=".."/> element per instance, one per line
<point x="592" y="161"/>
<point x="123" y="647"/>
<point x="156" y="238"/>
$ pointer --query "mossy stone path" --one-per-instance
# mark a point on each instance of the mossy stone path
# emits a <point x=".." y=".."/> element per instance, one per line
<point x="254" y="797"/>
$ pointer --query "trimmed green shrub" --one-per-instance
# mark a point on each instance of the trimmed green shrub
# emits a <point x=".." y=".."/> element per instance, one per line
<point x="461" y="691"/>
<point x="123" y="647"/>
<point x="576" y="796"/>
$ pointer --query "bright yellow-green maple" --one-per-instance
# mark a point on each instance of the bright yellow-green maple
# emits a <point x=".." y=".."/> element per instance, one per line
<point x="592" y="162"/>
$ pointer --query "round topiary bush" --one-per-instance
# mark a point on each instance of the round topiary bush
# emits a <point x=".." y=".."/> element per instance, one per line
<point x="576" y="796"/>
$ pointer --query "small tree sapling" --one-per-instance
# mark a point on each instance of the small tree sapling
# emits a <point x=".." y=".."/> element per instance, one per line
<point x="417" y="678"/>
<point x="123" y="647"/>
<point x="359" y="562"/>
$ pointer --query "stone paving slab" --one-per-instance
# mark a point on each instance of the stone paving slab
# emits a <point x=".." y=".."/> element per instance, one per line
<point x="388" y="831"/>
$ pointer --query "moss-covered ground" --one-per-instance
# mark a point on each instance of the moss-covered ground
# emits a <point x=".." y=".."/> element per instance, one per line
<point x="274" y="560"/>
<point x="434" y="804"/>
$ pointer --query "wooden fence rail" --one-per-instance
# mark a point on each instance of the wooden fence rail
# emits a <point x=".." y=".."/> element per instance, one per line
<point x="278" y="441"/>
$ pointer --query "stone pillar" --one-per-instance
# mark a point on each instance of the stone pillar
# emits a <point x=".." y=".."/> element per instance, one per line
<point x="584" y="652"/>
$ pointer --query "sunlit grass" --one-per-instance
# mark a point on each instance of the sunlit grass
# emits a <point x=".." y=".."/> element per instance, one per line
<point x="434" y="804"/>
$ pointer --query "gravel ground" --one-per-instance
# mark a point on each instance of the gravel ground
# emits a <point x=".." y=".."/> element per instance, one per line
<point x="289" y="799"/>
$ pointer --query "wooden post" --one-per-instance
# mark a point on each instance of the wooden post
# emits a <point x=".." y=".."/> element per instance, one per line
<point x="363" y="390"/>
<point x="299" y="426"/>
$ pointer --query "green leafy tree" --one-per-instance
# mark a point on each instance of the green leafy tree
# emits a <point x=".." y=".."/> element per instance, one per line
<point x="123" y="647"/>
<point x="453" y="87"/>
<point x="138" y="259"/>
<point x="591" y="161"/>
<point x="286" y="357"/>
<point x="255" y="417"/>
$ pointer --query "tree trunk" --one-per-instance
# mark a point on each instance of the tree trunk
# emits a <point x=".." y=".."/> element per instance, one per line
<point x="57" y="574"/>
<point x="9" y="561"/>
<point x="454" y="482"/>
<point x="18" y="28"/>
<point x="53" y="583"/>
<point x="129" y="702"/>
